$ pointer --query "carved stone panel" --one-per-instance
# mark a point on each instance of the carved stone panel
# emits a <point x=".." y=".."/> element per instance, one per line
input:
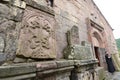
<point x="73" y="35"/>
<point x="37" y="37"/>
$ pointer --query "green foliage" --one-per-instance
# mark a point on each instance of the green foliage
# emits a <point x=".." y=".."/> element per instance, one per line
<point x="118" y="44"/>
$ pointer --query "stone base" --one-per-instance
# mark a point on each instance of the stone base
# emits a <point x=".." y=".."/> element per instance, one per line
<point x="53" y="70"/>
<point x="100" y="73"/>
<point x="84" y="70"/>
<point x="45" y="70"/>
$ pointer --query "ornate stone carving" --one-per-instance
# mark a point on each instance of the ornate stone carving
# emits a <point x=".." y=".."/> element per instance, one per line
<point x="37" y="39"/>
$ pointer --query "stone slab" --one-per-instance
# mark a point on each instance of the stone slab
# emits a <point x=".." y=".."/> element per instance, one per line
<point x="78" y="52"/>
<point x="42" y="66"/>
<point x="41" y="5"/>
<point x="64" y="63"/>
<point x="15" y="70"/>
<point x="37" y="35"/>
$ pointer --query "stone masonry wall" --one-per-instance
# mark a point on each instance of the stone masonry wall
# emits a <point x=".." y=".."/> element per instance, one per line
<point x="33" y="38"/>
<point x="75" y="12"/>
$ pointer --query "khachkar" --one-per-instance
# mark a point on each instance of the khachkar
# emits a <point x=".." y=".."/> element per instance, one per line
<point x="37" y="37"/>
<point x="76" y="50"/>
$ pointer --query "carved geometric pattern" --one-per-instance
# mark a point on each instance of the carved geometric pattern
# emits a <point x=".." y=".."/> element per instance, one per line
<point x="37" y="37"/>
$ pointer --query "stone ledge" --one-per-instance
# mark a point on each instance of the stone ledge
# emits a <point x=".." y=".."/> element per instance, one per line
<point x="8" y="71"/>
<point x="29" y="68"/>
<point x="85" y="62"/>
<point x="54" y="71"/>
<point x="64" y="63"/>
<point x="20" y="77"/>
<point x="42" y="68"/>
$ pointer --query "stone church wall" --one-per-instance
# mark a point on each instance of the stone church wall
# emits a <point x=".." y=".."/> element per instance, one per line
<point x="41" y="40"/>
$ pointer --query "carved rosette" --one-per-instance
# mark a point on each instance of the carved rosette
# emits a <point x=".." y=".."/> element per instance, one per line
<point x="37" y="37"/>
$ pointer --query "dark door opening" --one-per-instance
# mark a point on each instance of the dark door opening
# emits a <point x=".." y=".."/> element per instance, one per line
<point x="97" y="54"/>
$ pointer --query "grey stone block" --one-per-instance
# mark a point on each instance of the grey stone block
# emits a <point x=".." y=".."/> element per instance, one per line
<point x="2" y="58"/>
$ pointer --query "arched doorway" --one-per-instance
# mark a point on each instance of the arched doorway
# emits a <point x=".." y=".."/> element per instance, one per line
<point x="97" y="39"/>
<point x="98" y="47"/>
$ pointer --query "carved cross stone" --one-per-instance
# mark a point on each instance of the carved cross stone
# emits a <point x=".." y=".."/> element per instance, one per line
<point x="37" y="38"/>
<point x="75" y="50"/>
<point x="73" y="36"/>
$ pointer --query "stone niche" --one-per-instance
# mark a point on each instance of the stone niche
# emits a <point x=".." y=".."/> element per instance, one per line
<point x="37" y="37"/>
<point x="75" y="49"/>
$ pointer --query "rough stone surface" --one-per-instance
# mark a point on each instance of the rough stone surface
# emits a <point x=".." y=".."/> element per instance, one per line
<point x="73" y="36"/>
<point x="2" y="58"/>
<point x="11" y="12"/>
<point x="41" y="5"/>
<point x="19" y="3"/>
<point x="100" y="72"/>
<point x="9" y="34"/>
<point x="81" y="10"/>
<point x="45" y="66"/>
<point x="37" y="37"/>
<point x="2" y="45"/>
<point x="4" y="11"/>
<point x="16" y="14"/>
<point x="74" y="49"/>
<point x="15" y="70"/>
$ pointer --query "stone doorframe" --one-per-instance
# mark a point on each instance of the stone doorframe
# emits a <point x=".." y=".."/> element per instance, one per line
<point x="95" y="31"/>
<point x="96" y="38"/>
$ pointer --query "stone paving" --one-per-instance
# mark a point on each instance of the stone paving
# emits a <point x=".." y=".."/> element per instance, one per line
<point x="115" y="76"/>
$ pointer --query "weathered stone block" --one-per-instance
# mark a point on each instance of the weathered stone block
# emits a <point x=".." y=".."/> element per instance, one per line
<point x="74" y="49"/>
<point x="41" y="5"/>
<point x="37" y="37"/>
<point x="63" y="76"/>
<point x="8" y="34"/>
<point x="42" y="66"/>
<point x="78" y="52"/>
<point x="19" y="3"/>
<point x="16" y="14"/>
<point x="10" y="12"/>
<point x="2" y="58"/>
<point x="84" y="43"/>
<point x="2" y="44"/>
<point x="73" y="35"/>
<point x="16" y="70"/>
<point x="100" y="72"/>
<point x="4" y="11"/>
<point x="64" y="63"/>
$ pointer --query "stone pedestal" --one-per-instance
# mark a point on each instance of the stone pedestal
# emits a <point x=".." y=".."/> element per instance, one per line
<point x="85" y="70"/>
<point x="76" y="50"/>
